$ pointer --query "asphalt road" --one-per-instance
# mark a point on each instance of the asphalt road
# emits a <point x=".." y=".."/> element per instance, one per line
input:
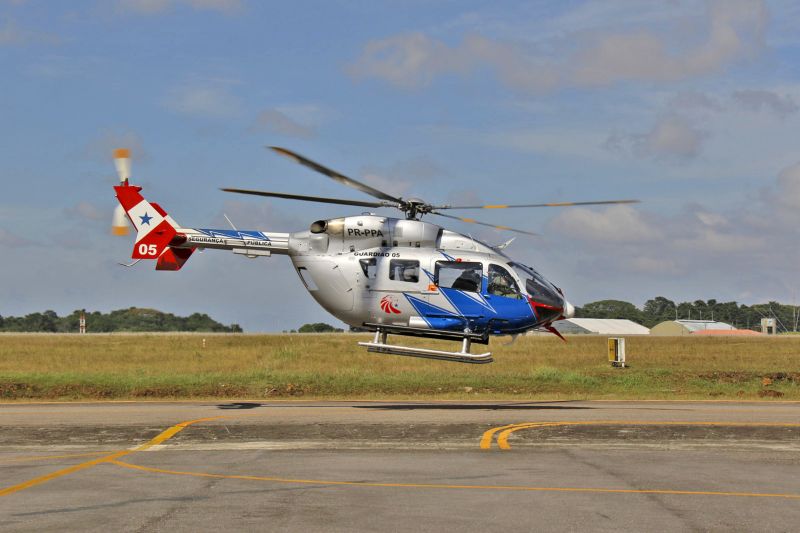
<point x="400" y="466"/>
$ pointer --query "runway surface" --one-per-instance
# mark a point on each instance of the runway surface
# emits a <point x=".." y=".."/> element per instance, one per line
<point x="378" y="466"/>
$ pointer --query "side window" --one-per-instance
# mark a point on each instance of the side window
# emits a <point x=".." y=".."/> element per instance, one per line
<point x="459" y="275"/>
<point x="501" y="283"/>
<point x="404" y="270"/>
<point x="369" y="267"/>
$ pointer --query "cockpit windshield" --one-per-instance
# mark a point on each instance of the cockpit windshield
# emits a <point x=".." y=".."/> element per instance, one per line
<point x="537" y="286"/>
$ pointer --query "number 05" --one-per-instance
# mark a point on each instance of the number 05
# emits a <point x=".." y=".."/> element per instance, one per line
<point x="148" y="249"/>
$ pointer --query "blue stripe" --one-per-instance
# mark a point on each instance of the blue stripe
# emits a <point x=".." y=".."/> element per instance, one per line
<point x="234" y="234"/>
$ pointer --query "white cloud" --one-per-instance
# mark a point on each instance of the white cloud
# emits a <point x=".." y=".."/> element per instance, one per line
<point x="203" y="102"/>
<point x="734" y="31"/>
<point x="699" y="246"/>
<point x="619" y="223"/>
<point x="673" y="137"/>
<point x="410" y="60"/>
<point x="276" y="121"/>
<point x="414" y="60"/>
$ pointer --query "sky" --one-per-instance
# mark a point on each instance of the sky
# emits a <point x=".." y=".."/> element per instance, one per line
<point x="692" y="107"/>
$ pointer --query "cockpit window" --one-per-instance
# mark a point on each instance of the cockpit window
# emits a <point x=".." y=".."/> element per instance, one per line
<point x="502" y="283"/>
<point x="537" y="286"/>
<point x="461" y="275"/>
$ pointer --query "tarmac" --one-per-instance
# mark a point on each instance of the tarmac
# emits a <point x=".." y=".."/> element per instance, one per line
<point x="400" y="466"/>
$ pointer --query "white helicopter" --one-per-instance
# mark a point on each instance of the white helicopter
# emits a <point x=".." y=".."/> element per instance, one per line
<point x="382" y="274"/>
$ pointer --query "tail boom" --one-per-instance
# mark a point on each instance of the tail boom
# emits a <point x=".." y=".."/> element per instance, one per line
<point x="159" y="237"/>
<point x="249" y="243"/>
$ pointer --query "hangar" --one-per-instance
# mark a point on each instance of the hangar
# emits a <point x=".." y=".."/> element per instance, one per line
<point x="599" y="326"/>
<point x="688" y="327"/>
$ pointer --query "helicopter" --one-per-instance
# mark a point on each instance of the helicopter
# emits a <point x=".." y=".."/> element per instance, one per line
<point x="391" y="276"/>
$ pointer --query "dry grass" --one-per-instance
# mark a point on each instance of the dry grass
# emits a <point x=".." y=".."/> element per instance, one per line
<point x="332" y="366"/>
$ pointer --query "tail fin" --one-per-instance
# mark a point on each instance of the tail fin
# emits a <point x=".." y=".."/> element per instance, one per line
<point x="155" y="230"/>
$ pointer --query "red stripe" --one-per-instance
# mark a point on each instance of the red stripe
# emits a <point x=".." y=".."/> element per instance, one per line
<point x="128" y="196"/>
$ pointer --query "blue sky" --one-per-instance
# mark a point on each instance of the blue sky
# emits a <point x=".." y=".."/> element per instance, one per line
<point x="691" y="107"/>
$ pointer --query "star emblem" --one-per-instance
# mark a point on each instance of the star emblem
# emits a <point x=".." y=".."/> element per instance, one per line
<point x="146" y="219"/>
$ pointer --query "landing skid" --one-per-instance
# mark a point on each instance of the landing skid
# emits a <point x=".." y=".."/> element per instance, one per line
<point x="379" y="344"/>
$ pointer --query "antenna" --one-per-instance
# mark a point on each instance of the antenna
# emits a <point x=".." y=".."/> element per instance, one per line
<point x="229" y="222"/>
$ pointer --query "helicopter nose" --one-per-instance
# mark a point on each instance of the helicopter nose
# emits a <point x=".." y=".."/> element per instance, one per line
<point x="569" y="310"/>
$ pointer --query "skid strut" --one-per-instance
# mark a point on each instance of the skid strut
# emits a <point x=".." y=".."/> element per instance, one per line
<point x="380" y="345"/>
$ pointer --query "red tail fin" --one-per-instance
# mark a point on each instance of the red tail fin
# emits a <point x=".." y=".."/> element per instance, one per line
<point x="155" y="230"/>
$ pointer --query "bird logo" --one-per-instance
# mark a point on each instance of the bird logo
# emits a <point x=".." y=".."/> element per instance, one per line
<point x="389" y="306"/>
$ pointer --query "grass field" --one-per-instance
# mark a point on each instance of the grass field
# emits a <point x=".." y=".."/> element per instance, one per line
<point x="50" y="366"/>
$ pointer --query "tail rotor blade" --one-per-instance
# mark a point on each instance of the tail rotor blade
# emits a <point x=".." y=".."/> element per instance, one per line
<point x="120" y="225"/>
<point x="122" y="160"/>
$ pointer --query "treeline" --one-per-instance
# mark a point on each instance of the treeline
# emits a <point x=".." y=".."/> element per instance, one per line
<point x="132" y="320"/>
<point x="660" y="309"/>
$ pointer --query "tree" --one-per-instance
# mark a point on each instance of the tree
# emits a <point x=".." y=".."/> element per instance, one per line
<point x="318" y="327"/>
<point x="658" y="310"/>
<point x="131" y="319"/>
<point x="610" y="309"/>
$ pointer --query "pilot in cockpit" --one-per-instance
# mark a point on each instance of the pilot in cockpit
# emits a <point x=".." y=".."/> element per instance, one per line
<point x="469" y="280"/>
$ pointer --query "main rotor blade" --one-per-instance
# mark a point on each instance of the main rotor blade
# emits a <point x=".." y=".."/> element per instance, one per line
<point x="341" y="178"/>
<point x="552" y="204"/>
<point x="495" y="226"/>
<point x="304" y="198"/>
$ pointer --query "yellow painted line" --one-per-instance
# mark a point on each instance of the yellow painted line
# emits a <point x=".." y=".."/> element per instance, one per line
<point x="503" y="432"/>
<point x="59" y="473"/>
<point x="46" y="457"/>
<point x="448" y="486"/>
<point x="158" y="439"/>
<point x="486" y="440"/>
<point x="502" y="438"/>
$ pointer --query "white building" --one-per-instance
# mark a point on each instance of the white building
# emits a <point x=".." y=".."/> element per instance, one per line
<point x="599" y="326"/>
